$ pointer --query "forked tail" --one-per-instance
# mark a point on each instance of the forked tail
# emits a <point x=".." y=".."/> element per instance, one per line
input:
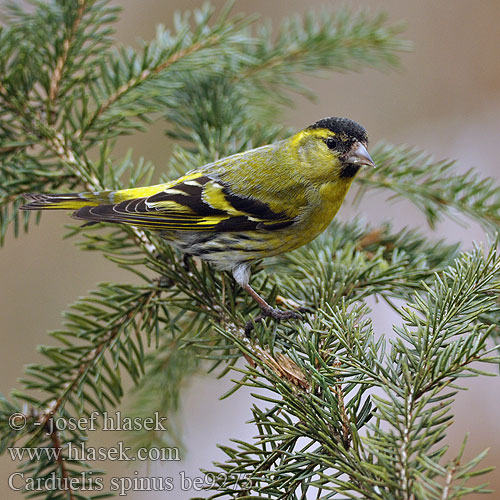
<point x="67" y="201"/>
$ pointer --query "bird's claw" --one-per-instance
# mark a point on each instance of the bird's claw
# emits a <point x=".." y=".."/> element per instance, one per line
<point x="270" y="312"/>
<point x="278" y="314"/>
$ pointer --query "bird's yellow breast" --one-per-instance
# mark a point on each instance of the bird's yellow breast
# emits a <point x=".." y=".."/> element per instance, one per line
<point x="320" y="214"/>
<point x="323" y="205"/>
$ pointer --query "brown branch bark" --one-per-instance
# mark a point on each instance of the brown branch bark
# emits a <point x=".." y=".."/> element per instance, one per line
<point x="56" y="444"/>
<point x="148" y="73"/>
<point x="89" y="358"/>
<point x="55" y="80"/>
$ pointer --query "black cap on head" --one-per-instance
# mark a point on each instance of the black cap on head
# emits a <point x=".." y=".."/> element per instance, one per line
<point x="343" y="126"/>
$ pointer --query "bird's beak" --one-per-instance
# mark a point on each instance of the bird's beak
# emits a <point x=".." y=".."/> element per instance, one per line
<point x="360" y="156"/>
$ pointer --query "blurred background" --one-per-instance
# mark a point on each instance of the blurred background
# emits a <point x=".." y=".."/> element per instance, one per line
<point x="445" y="100"/>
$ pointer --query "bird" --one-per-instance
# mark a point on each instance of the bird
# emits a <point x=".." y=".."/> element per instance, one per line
<point x="242" y="208"/>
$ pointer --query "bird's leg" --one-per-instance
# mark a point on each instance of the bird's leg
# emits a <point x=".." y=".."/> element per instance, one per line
<point x="241" y="274"/>
<point x="267" y="311"/>
<point x="186" y="261"/>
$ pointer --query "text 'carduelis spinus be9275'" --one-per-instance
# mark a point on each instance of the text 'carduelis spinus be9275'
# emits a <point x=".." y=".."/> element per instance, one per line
<point x="248" y="206"/>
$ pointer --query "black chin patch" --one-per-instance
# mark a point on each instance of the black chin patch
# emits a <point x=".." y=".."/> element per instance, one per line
<point x="349" y="170"/>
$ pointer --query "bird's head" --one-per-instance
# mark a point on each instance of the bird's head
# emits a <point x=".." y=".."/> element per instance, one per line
<point x="333" y="149"/>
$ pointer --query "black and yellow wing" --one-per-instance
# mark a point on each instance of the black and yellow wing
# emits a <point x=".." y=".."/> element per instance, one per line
<point x="195" y="202"/>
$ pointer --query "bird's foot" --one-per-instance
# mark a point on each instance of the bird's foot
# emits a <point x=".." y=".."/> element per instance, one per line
<point x="292" y="304"/>
<point x="270" y="312"/>
<point x="278" y="314"/>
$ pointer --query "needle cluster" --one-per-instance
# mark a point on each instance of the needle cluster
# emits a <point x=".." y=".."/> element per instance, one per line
<point x="340" y="411"/>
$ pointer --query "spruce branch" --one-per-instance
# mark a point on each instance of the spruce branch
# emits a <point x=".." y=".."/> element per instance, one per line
<point x="105" y="321"/>
<point x="145" y="75"/>
<point x="342" y="40"/>
<point x="69" y="37"/>
<point x="340" y="412"/>
<point x="434" y="186"/>
<point x="383" y="463"/>
<point x="56" y="446"/>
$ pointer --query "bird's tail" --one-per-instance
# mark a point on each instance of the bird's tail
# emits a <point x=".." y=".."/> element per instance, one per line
<point x="67" y="201"/>
<point x="74" y="201"/>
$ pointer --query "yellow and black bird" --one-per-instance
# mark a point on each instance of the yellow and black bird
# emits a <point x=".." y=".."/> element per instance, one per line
<point x="247" y="206"/>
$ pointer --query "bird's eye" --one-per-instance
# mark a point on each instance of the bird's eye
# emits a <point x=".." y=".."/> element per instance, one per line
<point x="331" y="143"/>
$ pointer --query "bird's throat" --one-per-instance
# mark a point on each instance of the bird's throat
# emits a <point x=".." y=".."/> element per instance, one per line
<point x="349" y="171"/>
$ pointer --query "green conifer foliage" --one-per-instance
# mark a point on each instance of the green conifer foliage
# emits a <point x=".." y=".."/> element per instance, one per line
<point x="340" y="412"/>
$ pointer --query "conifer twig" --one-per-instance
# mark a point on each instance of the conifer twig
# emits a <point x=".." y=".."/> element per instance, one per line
<point x="340" y="411"/>
<point x="56" y="77"/>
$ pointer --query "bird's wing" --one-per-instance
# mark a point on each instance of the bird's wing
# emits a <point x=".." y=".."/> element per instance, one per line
<point x="197" y="202"/>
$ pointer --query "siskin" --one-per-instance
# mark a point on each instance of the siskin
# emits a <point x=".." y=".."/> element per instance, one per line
<point x="244" y="207"/>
